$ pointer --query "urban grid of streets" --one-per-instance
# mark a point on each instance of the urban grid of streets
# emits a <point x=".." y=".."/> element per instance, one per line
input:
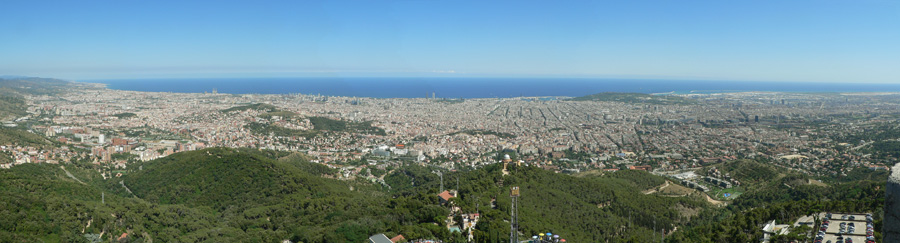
<point x="795" y="129"/>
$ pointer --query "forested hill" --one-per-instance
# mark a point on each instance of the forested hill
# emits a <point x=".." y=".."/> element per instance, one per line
<point x="221" y="177"/>
<point x="11" y="107"/>
<point x="582" y="209"/>
<point x="782" y="195"/>
<point x="248" y="195"/>
<point x="211" y="195"/>
<point x="589" y="209"/>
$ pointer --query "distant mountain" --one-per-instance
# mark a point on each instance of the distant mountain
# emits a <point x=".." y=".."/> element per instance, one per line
<point x="13" y="77"/>
<point x="12" y="88"/>
<point x="15" y="86"/>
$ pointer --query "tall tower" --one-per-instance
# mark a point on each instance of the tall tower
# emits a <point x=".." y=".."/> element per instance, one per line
<point x="514" y="212"/>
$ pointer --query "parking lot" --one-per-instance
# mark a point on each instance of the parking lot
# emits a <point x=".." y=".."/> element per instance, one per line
<point x="857" y="236"/>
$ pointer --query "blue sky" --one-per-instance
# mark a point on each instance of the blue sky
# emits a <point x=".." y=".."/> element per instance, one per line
<point x="821" y="40"/>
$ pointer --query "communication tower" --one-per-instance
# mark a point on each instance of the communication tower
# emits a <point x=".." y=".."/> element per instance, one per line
<point x="514" y="212"/>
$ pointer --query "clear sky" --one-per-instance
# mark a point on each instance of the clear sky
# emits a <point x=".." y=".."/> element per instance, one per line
<point x="794" y="40"/>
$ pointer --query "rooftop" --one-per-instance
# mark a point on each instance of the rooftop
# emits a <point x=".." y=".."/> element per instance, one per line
<point x="445" y="195"/>
<point x="379" y="238"/>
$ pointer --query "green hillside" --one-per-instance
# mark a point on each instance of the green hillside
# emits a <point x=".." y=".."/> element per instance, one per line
<point x="257" y="106"/>
<point x="19" y="136"/>
<point x="125" y="115"/>
<point x="248" y="195"/>
<point x="11" y="107"/>
<point x="591" y="209"/>
<point x="782" y="195"/>
<point x="328" y="124"/>
<point x="286" y="198"/>
<point x="484" y="132"/>
<point x="268" y="128"/>
<point x="221" y="177"/>
<point x="302" y="161"/>
<point x="39" y="203"/>
<point x="212" y="195"/>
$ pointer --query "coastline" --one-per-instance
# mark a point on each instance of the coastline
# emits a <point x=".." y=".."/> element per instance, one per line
<point x="470" y="88"/>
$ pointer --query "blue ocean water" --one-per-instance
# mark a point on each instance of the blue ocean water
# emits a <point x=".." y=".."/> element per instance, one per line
<point x="471" y="87"/>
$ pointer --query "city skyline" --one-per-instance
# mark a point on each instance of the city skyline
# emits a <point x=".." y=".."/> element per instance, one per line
<point x="833" y="41"/>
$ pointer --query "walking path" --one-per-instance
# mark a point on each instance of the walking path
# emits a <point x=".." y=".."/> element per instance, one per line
<point x="126" y="188"/>
<point x="70" y="175"/>
<point x="654" y="190"/>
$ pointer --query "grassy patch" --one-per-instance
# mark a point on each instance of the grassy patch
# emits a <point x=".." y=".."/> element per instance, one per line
<point x="719" y="193"/>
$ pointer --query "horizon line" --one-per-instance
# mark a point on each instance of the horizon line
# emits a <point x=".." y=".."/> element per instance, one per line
<point x="531" y="77"/>
<point x="480" y="77"/>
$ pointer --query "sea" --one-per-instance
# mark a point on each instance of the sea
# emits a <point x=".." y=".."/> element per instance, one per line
<point x="453" y="88"/>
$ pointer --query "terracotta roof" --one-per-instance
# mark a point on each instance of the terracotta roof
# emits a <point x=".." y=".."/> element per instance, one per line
<point x="398" y="238"/>
<point x="445" y="195"/>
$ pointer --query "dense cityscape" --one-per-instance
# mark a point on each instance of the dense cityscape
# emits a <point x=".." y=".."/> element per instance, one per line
<point x="701" y="143"/>
<point x="805" y="132"/>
